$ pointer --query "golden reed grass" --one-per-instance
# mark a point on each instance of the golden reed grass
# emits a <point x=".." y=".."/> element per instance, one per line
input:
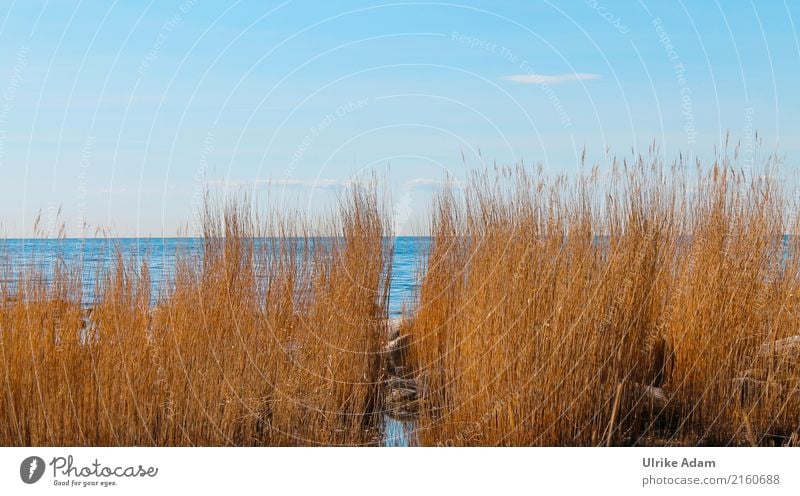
<point x="634" y="308"/>
<point x="259" y="343"/>
<point x="630" y="309"/>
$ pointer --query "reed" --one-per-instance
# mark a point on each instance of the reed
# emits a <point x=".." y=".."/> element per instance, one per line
<point x="646" y="306"/>
<point x="270" y="335"/>
<point x="638" y="308"/>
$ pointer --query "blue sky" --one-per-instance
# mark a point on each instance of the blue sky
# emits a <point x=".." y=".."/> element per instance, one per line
<point x="119" y="114"/>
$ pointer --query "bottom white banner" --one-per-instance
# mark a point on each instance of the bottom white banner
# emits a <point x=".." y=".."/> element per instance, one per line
<point x="386" y="471"/>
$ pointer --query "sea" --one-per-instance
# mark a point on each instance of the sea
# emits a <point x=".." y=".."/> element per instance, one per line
<point x="92" y="255"/>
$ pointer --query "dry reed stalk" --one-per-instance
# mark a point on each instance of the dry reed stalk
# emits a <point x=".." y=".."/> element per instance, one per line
<point x="541" y="296"/>
<point x="260" y="342"/>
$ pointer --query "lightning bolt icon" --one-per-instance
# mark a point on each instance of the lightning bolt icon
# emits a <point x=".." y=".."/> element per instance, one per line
<point x="32" y="469"/>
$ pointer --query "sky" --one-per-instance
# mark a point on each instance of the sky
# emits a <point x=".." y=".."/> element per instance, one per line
<point x="120" y="114"/>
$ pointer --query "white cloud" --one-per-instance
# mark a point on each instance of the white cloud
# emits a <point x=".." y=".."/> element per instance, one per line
<point x="551" y="79"/>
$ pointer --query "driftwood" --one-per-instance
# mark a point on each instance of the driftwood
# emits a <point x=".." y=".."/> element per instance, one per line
<point x="653" y="394"/>
<point x="767" y="369"/>
<point x="396" y="351"/>
<point x="393" y="328"/>
<point x="397" y="345"/>
<point x="780" y="347"/>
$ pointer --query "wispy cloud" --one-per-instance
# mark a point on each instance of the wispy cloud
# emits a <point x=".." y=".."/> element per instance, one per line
<point x="552" y="78"/>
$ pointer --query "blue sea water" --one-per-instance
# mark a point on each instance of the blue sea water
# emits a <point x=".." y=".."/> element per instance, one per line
<point x="91" y="255"/>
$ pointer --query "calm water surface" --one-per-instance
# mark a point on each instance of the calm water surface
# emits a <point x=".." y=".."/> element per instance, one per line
<point x="161" y="254"/>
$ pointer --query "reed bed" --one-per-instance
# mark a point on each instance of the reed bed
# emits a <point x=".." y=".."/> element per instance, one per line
<point x="652" y="305"/>
<point x="271" y="335"/>
<point x="634" y="308"/>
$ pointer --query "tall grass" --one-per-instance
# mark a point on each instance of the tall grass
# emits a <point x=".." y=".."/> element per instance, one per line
<point x="634" y="308"/>
<point x="271" y="335"/>
<point x="647" y="306"/>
